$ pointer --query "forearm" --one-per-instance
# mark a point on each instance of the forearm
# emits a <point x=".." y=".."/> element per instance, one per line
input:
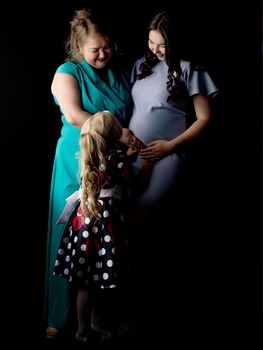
<point x="145" y="174"/>
<point x="189" y="135"/>
<point x="127" y="173"/>
<point x="76" y="117"/>
<point x="65" y="89"/>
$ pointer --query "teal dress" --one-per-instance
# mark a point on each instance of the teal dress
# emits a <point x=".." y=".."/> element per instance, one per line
<point x="96" y="96"/>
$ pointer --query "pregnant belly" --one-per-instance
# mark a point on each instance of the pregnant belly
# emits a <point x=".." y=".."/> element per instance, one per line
<point x="155" y="124"/>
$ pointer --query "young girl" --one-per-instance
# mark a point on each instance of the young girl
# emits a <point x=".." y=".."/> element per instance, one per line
<point x="93" y="241"/>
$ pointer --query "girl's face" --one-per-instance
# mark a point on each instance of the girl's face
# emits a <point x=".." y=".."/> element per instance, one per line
<point x="156" y="44"/>
<point x="97" y="51"/>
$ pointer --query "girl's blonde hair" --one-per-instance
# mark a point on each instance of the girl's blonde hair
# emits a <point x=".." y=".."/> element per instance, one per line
<point x="99" y="133"/>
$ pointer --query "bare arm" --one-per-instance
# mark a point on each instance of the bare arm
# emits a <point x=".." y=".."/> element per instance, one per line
<point x="203" y="116"/>
<point x="144" y="175"/>
<point x="66" y="90"/>
<point x="141" y="181"/>
<point x="158" y="149"/>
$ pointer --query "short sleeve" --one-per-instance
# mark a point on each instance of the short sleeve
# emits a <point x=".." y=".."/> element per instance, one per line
<point x="135" y="70"/>
<point x="69" y="68"/>
<point x="198" y="81"/>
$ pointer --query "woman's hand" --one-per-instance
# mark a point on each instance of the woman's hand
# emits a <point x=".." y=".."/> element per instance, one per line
<point x="130" y="140"/>
<point x="156" y="150"/>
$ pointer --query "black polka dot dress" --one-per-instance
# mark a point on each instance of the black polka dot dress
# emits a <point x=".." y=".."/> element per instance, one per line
<point x="91" y="250"/>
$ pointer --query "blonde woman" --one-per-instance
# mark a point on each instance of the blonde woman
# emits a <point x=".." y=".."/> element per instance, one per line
<point x="92" y="78"/>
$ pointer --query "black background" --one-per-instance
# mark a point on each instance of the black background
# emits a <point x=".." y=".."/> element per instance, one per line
<point x="225" y="207"/>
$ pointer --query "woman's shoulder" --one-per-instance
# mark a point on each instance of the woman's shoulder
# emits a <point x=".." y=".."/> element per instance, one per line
<point x="135" y="69"/>
<point x="138" y="62"/>
<point x="68" y="67"/>
<point x="197" y="78"/>
<point x="185" y="65"/>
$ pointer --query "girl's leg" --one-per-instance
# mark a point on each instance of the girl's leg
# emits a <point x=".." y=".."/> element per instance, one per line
<point x="84" y="308"/>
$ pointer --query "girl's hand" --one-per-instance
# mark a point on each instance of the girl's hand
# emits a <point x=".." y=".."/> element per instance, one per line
<point x="132" y="152"/>
<point x="130" y="140"/>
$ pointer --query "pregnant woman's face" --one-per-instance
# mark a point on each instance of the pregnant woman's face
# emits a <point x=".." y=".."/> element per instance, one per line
<point x="156" y="44"/>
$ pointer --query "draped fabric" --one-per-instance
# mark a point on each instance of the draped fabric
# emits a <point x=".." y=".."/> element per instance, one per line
<point x="96" y="96"/>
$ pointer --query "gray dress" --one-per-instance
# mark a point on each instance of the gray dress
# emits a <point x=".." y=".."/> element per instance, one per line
<point x="154" y="118"/>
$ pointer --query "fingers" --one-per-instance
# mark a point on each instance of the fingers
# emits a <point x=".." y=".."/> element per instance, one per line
<point x="136" y="143"/>
<point x="131" y="140"/>
<point x="131" y="151"/>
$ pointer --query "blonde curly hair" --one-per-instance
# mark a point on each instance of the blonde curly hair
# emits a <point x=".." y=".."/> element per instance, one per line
<point x="98" y="134"/>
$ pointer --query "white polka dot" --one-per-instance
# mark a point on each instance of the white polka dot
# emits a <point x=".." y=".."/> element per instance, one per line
<point x="88" y="269"/>
<point x="113" y="286"/>
<point x="73" y="252"/>
<point x="80" y="274"/>
<point x="67" y="258"/>
<point x="98" y="265"/>
<point x="105" y="276"/>
<point x="75" y="239"/>
<point x="66" y="271"/>
<point x="120" y="165"/>
<point x="86" y="282"/>
<point x="101" y="201"/>
<point x="102" y="226"/>
<point x="105" y="214"/>
<point x="109" y="263"/>
<point x="95" y="277"/>
<point x="57" y="262"/>
<point x="65" y="240"/>
<point x="70" y="279"/>
<point x="113" y="250"/>
<point x="82" y="261"/>
<point x="102" y="287"/>
<point x="69" y="245"/>
<point x="110" y="202"/>
<point x="85" y="234"/>
<point x="61" y="251"/>
<point x="87" y="221"/>
<point x="103" y="251"/>
<point x="107" y="238"/>
<point x="83" y="247"/>
<point x="71" y="265"/>
<point x="95" y="229"/>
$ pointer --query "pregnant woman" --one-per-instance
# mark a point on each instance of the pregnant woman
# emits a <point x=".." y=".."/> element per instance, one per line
<point x="172" y="108"/>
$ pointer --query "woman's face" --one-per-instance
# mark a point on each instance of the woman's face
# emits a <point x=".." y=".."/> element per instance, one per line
<point x="97" y="51"/>
<point x="156" y="44"/>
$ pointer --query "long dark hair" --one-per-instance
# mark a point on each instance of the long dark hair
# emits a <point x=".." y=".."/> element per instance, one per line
<point x="163" y="23"/>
